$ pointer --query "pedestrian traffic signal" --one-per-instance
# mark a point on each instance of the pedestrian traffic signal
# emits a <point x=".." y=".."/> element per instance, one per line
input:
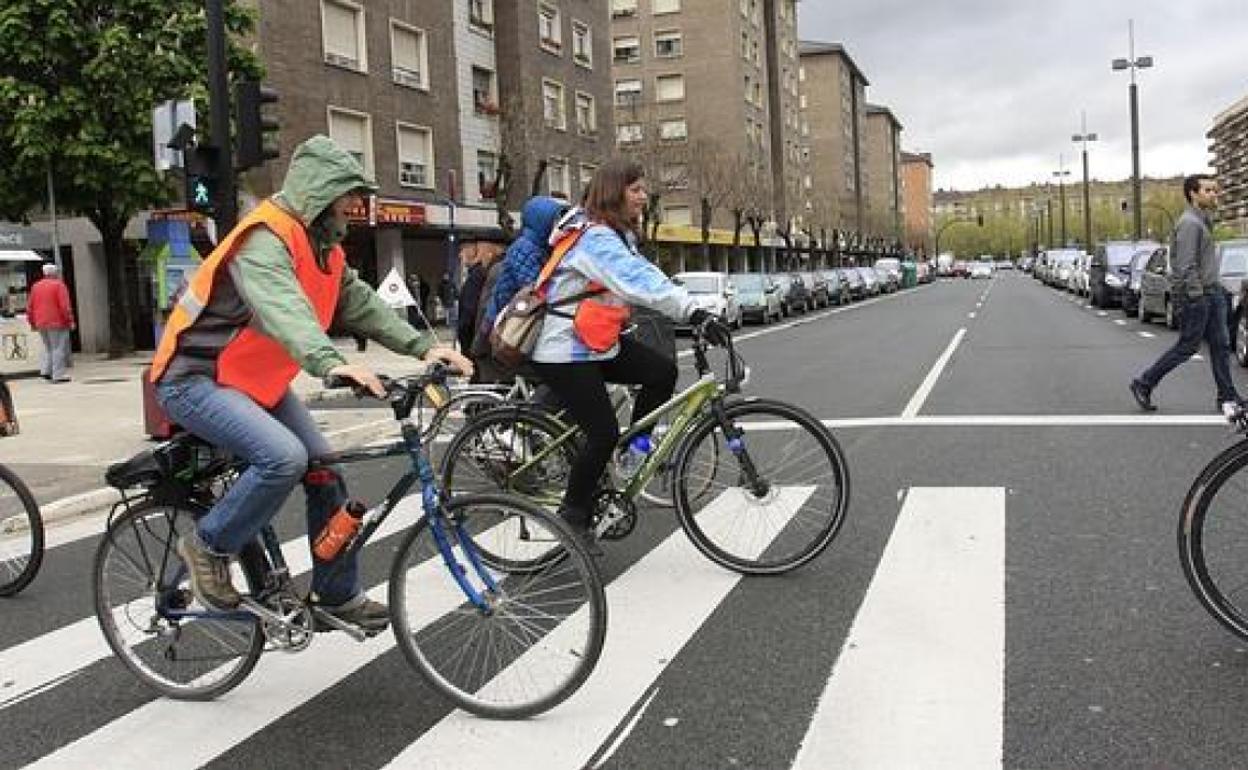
<point x="253" y="128"/>
<point x="201" y="179"/>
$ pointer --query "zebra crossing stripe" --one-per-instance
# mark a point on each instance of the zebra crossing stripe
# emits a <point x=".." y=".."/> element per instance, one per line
<point x="920" y="679"/>
<point x="47" y="660"/>
<point x="655" y="608"/>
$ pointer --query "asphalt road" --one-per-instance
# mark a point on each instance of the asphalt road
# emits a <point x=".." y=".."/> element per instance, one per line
<point x="1005" y="591"/>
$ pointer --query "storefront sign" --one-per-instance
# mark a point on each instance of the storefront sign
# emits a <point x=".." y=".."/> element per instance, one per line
<point x="374" y="212"/>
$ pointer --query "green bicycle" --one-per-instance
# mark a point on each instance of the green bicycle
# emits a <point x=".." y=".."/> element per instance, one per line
<point x="760" y="486"/>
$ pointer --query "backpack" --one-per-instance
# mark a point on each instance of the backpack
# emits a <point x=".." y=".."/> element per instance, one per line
<point x="519" y="323"/>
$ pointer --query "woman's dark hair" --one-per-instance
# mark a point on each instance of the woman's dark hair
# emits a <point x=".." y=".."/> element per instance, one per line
<point x="604" y="198"/>
<point x="1192" y="184"/>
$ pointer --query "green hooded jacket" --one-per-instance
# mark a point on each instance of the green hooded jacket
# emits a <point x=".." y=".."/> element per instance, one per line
<point x="265" y="293"/>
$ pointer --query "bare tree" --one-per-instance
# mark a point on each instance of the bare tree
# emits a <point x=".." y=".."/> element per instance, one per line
<point x="712" y="175"/>
<point x="666" y="166"/>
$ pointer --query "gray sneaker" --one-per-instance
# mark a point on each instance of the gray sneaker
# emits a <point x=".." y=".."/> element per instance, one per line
<point x="210" y="573"/>
<point x="373" y="617"/>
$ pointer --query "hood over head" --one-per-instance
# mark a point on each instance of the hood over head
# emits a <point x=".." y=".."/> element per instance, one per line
<point x="321" y="171"/>
<point x="538" y="217"/>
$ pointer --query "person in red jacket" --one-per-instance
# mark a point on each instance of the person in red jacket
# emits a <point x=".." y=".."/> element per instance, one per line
<point x="49" y="313"/>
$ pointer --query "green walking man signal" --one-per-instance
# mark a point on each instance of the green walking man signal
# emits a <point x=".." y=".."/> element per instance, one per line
<point x="201" y="179"/>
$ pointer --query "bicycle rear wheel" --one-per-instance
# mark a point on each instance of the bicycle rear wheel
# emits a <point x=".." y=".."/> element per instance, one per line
<point x="460" y="407"/>
<point x="1213" y="539"/>
<point x="773" y="499"/>
<point x="152" y="621"/>
<point x="515" y="449"/>
<point x="540" y="633"/>
<point x="21" y="534"/>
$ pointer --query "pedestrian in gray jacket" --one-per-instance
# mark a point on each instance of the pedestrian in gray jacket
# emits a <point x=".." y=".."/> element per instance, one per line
<point x="1200" y="300"/>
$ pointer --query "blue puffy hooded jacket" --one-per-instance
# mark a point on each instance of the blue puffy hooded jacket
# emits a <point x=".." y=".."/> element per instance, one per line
<point x="526" y="254"/>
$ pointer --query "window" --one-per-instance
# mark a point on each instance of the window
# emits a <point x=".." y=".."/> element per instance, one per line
<point x="353" y="132"/>
<point x="552" y="105"/>
<point x="674" y="176"/>
<point x="665" y="6"/>
<point x="670" y="88"/>
<point x="586" y="115"/>
<point x="342" y="35"/>
<point x="678" y="215"/>
<point x="673" y="130"/>
<point x="668" y="45"/>
<point x="803" y="102"/>
<point x="745" y="44"/>
<point x="586" y="175"/>
<point x="623" y="8"/>
<point x="481" y="14"/>
<point x="801" y="74"/>
<point x="626" y="50"/>
<point x="627" y="93"/>
<point x="549" y="29"/>
<point x="582" y="45"/>
<point x="487" y="175"/>
<point x="483" y="101"/>
<point x="409" y="60"/>
<point x="628" y="133"/>
<point x="557" y="178"/>
<point x="415" y="156"/>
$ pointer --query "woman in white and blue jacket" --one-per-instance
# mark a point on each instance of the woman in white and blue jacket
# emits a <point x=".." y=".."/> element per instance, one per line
<point x="580" y="350"/>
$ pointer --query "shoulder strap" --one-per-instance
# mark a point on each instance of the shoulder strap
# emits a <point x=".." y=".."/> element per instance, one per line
<point x="562" y="247"/>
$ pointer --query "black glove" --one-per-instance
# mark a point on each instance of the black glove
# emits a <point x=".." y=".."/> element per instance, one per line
<point x="713" y="328"/>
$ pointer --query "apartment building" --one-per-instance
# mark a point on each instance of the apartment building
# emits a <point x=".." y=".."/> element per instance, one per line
<point x="916" y="186"/>
<point x="1229" y="137"/>
<point x="833" y="113"/>
<point x="555" y="81"/>
<point x="788" y="162"/>
<point x="692" y="93"/>
<point x="883" y="177"/>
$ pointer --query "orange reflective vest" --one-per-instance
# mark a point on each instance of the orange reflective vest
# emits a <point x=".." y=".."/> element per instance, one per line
<point x="252" y="362"/>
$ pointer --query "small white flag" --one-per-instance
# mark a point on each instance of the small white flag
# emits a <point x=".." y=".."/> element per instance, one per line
<point x="394" y="292"/>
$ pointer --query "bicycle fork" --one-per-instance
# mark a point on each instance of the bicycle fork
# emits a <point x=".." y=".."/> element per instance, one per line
<point x="734" y="438"/>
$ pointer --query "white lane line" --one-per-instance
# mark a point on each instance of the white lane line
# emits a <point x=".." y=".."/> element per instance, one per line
<point x="649" y="625"/>
<point x="970" y="315"/>
<point x="933" y="697"/>
<point x="1120" y="322"/>
<point x="1197" y="357"/>
<point x="1102" y="314"/>
<point x="46" y="660"/>
<point x="1146" y="335"/>
<point x="811" y="318"/>
<point x="929" y="382"/>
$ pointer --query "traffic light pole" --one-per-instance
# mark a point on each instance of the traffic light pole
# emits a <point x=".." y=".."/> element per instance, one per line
<point x="219" y="95"/>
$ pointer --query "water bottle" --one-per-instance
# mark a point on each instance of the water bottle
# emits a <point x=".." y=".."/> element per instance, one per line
<point x="638" y="448"/>
<point x="338" y="531"/>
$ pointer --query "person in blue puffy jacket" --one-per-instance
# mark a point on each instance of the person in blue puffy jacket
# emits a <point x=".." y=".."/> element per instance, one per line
<point x="526" y="254"/>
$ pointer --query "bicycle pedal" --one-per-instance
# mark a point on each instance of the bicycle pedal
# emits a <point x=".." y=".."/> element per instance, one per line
<point x="325" y="622"/>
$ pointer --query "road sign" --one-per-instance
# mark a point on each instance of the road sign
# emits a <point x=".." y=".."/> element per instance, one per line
<point x="167" y="118"/>
<point x="394" y="292"/>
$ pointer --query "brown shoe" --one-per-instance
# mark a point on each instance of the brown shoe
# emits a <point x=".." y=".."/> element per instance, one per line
<point x="210" y="573"/>
<point x="370" y="616"/>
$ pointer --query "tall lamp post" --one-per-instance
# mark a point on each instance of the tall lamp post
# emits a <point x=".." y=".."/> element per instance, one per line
<point x="1133" y="63"/>
<point x="1084" y="138"/>
<point x="1061" y="173"/>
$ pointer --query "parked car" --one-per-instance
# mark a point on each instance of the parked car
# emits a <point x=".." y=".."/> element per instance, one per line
<point x="981" y="270"/>
<point x="871" y="279"/>
<point x="1155" y="289"/>
<point x="1233" y="258"/>
<point x="819" y="296"/>
<point x="1110" y="270"/>
<point x="794" y="296"/>
<point x="853" y="281"/>
<point x="713" y="292"/>
<point x="1061" y="267"/>
<point x="889" y="271"/>
<point x="961" y="269"/>
<point x="758" y="296"/>
<point x="838" y="287"/>
<point x="1131" y="290"/>
<point x="1004" y="264"/>
<point x="1077" y="283"/>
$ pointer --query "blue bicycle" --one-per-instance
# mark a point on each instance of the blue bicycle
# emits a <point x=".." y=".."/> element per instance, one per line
<point x="494" y="635"/>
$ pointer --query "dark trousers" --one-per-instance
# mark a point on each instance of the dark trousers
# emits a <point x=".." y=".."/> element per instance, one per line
<point x="582" y="387"/>
<point x="1202" y="317"/>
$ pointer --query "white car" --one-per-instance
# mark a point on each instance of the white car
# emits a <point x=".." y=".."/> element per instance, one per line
<point x="713" y="292"/>
<point x="981" y="269"/>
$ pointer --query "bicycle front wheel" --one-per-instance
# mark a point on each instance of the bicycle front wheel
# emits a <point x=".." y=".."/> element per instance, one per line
<point x="514" y="449"/>
<point x="1213" y="539"/>
<point x="151" y="619"/>
<point x="530" y="641"/>
<point x="771" y="498"/>
<point x="21" y="534"/>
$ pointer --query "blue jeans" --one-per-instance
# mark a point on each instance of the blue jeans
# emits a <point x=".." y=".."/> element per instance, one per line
<point x="1202" y="317"/>
<point x="276" y="444"/>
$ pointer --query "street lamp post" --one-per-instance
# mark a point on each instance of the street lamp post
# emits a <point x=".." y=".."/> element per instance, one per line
<point x="1133" y="63"/>
<point x="1061" y="173"/>
<point x="1084" y="138"/>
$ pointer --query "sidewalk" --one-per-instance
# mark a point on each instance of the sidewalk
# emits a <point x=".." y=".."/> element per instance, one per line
<point x="71" y="432"/>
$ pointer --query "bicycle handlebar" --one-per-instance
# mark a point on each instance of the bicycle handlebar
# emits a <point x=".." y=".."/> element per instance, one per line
<point x="736" y="371"/>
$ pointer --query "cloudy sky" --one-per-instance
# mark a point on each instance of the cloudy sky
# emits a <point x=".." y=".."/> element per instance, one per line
<point x="994" y="88"/>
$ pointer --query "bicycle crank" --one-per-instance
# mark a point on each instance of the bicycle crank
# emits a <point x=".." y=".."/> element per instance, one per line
<point x="615" y="516"/>
<point x="285" y="619"/>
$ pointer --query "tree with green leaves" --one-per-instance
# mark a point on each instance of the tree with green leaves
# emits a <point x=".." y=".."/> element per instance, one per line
<point x="77" y="90"/>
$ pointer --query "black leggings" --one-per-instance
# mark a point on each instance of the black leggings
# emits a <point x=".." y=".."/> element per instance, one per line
<point x="583" y="388"/>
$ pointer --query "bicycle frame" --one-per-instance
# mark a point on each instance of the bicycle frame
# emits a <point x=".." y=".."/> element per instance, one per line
<point x="686" y="405"/>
